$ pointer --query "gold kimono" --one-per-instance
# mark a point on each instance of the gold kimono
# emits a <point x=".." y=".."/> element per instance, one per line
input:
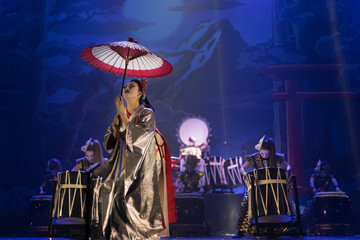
<point x="132" y="206"/>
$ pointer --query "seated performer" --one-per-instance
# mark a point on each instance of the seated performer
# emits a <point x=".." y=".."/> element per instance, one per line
<point x="266" y="157"/>
<point x="93" y="154"/>
<point x="190" y="177"/>
<point x="53" y="167"/>
<point x="320" y="181"/>
<point x="140" y="203"/>
<point x="189" y="152"/>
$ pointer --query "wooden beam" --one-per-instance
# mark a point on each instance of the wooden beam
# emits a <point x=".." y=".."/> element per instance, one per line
<point x="328" y="72"/>
<point x="280" y="96"/>
<point x="327" y="95"/>
<point x="284" y="96"/>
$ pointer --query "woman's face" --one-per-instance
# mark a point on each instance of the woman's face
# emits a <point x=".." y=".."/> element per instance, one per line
<point x="131" y="91"/>
<point x="264" y="153"/>
<point x="89" y="155"/>
<point x="324" y="170"/>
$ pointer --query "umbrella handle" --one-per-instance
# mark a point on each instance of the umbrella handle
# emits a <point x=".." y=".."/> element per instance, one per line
<point x="122" y="85"/>
<point x="126" y="65"/>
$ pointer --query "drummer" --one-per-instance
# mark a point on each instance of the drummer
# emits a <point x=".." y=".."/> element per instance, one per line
<point x="53" y="167"/>
<point x="265" y="157"/>
<point x="321" y="180"/>
<point x="191" y="150"/>
<point x="93" y="154"/>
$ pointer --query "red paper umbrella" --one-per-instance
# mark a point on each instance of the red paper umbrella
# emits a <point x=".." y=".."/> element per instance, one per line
<point x="127" y="58"/>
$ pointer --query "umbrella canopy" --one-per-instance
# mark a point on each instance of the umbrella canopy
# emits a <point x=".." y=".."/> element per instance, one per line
<point x="127" y="58"/>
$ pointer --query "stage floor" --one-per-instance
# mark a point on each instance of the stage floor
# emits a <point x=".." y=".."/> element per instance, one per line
<point x="216" y="238"/>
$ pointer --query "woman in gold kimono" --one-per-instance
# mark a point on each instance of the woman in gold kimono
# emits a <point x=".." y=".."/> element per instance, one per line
<point x="140" y="203"/>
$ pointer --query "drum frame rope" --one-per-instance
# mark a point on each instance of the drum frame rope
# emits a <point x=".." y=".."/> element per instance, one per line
<point x="68" y="186"/>
<point x="278" y="181"/>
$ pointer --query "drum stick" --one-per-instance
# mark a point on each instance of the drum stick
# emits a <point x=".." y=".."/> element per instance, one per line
<point x="92" y="168"/>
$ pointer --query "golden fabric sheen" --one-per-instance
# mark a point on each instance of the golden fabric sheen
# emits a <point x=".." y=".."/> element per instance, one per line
<point x="131" y="202"/>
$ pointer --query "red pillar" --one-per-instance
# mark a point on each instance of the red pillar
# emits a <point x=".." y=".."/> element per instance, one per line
<point x="292" y="75"/>
<point x="294" y="131"/>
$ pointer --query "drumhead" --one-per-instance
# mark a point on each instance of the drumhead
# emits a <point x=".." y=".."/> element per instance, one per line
<point x="69" y="220"/>
<point x="331" y="194"/>
<point x="193" y="127"/>
<point x="282" y="218"/>
<point x="41" y="198"/>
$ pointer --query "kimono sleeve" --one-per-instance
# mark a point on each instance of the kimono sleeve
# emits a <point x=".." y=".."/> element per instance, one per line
<point x="140" y="130"/>
<point x="109" y="139"/>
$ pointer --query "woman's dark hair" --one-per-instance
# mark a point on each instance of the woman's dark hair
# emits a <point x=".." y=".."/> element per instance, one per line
<point x="324" y="166"/>
<point x="95" y="146"/>
<point x="91" y="147"/>
<point x="54" y="164"/>
<point x="143" y="99"/>
<point x="268" y="144"/>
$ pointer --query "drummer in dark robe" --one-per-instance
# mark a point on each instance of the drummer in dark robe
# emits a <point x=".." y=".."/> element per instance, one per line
<point x="93" y="154"/>
<point x="265" y="157"/>
<point x="320" y="181"/>
<point x="53" y="167"/>
<point x="190" y="153"/>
